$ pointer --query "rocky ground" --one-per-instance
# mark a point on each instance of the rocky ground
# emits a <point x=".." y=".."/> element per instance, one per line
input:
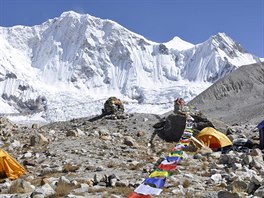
<point x="109" y="157"/>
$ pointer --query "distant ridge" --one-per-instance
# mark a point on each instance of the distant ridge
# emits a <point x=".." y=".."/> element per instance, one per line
<point x="238" y="98"/>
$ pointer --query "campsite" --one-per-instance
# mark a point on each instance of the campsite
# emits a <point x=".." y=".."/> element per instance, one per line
<point x="131" y="99"/>
<point x="112" y="155"/>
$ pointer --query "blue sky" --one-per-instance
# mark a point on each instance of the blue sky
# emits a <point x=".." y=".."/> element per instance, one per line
<point x="158" y="20"/>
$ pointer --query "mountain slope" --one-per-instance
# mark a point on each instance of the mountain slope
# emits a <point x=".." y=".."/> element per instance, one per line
<point x="237" y="98"/>
<point x="67" y="66"/>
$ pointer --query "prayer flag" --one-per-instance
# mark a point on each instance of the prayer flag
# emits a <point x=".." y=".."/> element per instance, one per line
<point x="136" y="195"/>
<point x="147" y="190"/>
<point x="158" y="173"/>
<point x="157" y="182"/>
<point x="168" y="167"/>
<point x="175" y="159"/>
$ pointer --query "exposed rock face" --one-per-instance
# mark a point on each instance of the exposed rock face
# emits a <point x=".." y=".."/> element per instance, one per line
<point x="237" y="98"/>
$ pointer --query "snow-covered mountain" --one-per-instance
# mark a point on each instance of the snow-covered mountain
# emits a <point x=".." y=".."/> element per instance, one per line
<point x="67" y="67"/>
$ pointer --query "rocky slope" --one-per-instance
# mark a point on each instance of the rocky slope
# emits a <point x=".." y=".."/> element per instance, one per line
<point x="237" y="98"/>
<point x="107" y="157"/>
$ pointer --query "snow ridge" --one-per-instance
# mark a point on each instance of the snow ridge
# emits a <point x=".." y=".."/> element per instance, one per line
<point x="66" y="67"/>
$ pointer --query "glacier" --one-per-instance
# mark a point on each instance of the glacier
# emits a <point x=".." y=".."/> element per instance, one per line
<point x="68" y="66"/>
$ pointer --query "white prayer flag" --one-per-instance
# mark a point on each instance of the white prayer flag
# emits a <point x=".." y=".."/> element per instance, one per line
<point x="147" y="190"/>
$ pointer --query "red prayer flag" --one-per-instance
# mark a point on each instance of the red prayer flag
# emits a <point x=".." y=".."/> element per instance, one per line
<point x="135" y="195"/>
<point x="167" y="167"/>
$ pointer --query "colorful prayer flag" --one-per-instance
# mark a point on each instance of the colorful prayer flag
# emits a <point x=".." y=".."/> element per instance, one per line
<point x="147" y="190"/>
<point x="175" y="159"/>
<point x="136" y="195"/>
<point x="157" y="182"/>
<point x="168" y="167"/>
<point x="158" y="173"/>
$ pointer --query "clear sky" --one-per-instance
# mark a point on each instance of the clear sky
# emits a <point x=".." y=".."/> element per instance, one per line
<point x="158" y="20"/>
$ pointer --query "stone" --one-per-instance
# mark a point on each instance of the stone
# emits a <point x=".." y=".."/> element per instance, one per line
<point x="122" y="183"/>
<point x="239" y="186"/>
<point x="15" y="144"/>
<point x="140" y="133"/>
<point x="80" y="132"/>
<point x="74" y="196"/>
<point x="72" y="133"/>
<point x="257" y="179"/>
<point x="21" y="186"/>
<point x="236" y="166"/>
<point x="83" y="188"/>
<point x="215" y="155"/>
<point x="46" y="190"/>
<point x="112" y="182"/>
<point x="197" y="156"/>
<point x="28" y="155"/>
<point x="247" y="159"/>
<point x="64" y="180"/>
<point x="99" y="168"/>
<point x="105" y="137"/>
<point x="205" y="151"/>
<point x="256" y="152"/>
<point x="227" y="194"/>
<point x="34" y="126"/>
<point x="257" y="162"/>
<point x="5" y="187"/>
<point x="129" y="141"/>
<point x="259" y="192"/>
<point x="37" y="195"/>
<point x="217" y="178"/>
<point x="252" y="187"/>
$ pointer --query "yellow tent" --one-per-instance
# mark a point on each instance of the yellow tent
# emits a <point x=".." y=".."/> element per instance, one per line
<point x="10" y="166"/>
<point x="213" y="138"/>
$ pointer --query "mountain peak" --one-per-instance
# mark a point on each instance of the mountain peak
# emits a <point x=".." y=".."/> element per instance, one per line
<point x="70" y="14"/>
<point x="179" y="44"/>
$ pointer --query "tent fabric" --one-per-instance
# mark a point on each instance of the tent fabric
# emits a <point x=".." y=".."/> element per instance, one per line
<point x="136" y="195"/>
<point x="261" y="134"/>
<point x="261" y="125"/>
<point x="10" y="166"/>
<point x="213" y="138"/>
<point x="157" y="182"/>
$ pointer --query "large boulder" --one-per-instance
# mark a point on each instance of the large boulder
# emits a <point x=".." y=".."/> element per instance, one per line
<point x="113" y="105"/>
<point x="172" y="128"/>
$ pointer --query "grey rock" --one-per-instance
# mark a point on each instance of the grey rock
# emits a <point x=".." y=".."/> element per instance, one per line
<point x="129" y="141"/>
<point x="240" y="186"/>
<point x="227" y="194"/>
<point x="72" y="133"/>
<point x="22" y="186"/>
<point x="247" y="159"/>
<point x="256" y="152"/>
<point x="257" y="180"/>
<point x="83" y="188"/>
<point x="236" y="166"/>
<point x="46" y="190"/>
<point x="259" y="192"/>
<point x="217" y="178"/>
